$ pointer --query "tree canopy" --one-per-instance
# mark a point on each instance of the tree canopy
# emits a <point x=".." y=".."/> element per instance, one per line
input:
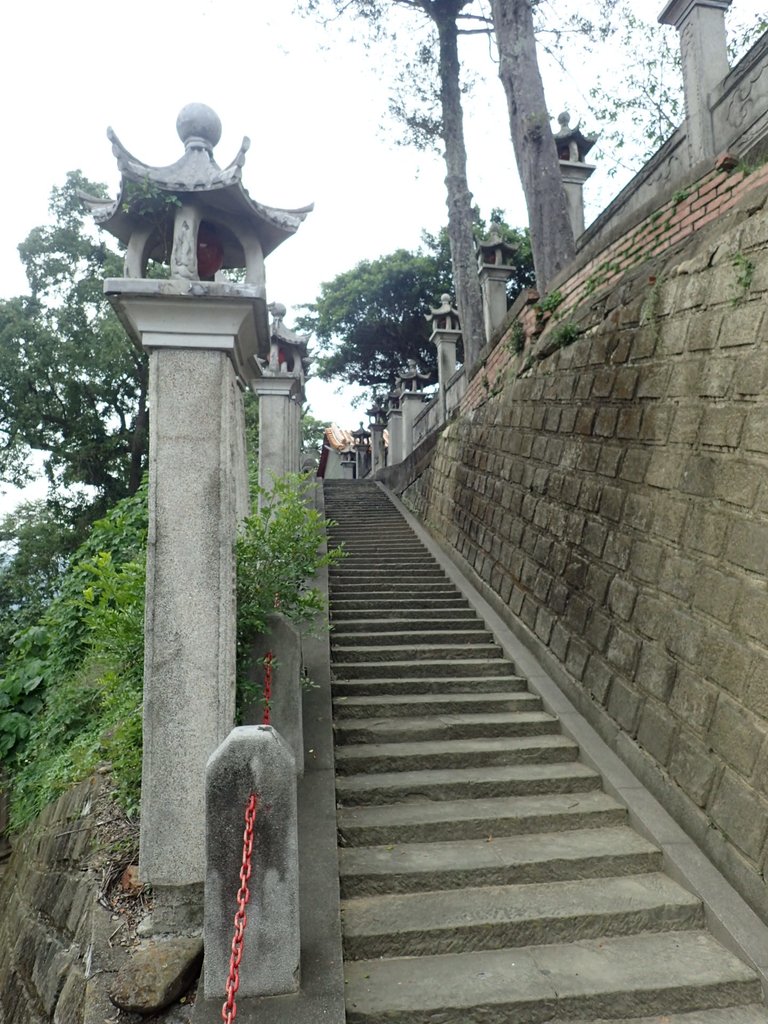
<point x="371" y="320"/>
<point x="72" y="385"/>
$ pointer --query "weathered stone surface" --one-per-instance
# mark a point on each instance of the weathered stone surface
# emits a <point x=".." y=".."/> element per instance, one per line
<point x="157" y="975"/>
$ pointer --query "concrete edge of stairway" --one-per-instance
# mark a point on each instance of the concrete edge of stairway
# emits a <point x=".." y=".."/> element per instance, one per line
<point x="321" y="995"/>
<point x="729" y="918"/>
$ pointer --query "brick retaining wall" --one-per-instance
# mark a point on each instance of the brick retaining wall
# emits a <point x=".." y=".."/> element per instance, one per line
<point x="614" y="495"/>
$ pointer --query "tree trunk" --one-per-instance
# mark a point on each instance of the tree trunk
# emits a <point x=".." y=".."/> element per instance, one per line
<point x="458" y="198"/>
<point x="535" y="151"/>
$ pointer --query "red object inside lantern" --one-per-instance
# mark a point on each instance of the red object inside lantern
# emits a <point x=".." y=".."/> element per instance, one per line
<point x="210" y="253"/>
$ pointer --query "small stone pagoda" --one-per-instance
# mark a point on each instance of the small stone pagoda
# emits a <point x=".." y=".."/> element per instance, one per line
<point x="572" y="149"/>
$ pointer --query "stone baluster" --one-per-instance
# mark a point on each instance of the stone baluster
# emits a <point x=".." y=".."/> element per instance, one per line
<point x="446" y="332"/>
<point x="572" y="149"/>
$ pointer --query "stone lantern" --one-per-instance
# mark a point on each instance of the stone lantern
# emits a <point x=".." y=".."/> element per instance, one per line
<point x="280" y="389"/>
<point x="377" y="423"/>
<point x="202" y="333"/>
<point x="412" y="383"/>
<point x="495" y="266"/>
<point x="446" y="334"/>
<point x="572" y="149"/>
<point x="395" y="426"/>
<point x="362" y="451"/>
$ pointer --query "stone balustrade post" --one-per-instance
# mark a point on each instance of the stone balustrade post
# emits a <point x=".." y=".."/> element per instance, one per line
<point x="395" y="429"/>
<point x="278" y="413"/>
<point x="572" y="148"/>
<point x="704" y="52"/>
<point x="252" y="759"/>
<point x="411" y="404"/>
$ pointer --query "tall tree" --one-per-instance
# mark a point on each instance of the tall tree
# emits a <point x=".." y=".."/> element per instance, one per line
<point x="72" y="385"/>
<point x="446" y="16"/>
<point x="535" y="151"/>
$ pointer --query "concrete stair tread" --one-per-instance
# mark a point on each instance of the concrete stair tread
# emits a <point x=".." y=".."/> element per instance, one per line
<point x="420" y="702"/>
<point x="536" y="857"/>
<point x="388" y="624"/>
<point x="624" y="976"/>
<point x="440" y="820"/>
<point x="557" y="743"/>
<point x="408" y="638"/>
<point x="450" y="667"/>
<point x="730" y="1015"/>
<point x="500" y="774"/>
<point x="444" y="726"/>
<point x="445" y="687"/>
<point x="502" y="916"/>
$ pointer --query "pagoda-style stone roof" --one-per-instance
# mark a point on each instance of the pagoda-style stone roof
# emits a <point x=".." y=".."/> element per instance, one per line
<point x="226" y="204"/>
<point x="572" y="144"/>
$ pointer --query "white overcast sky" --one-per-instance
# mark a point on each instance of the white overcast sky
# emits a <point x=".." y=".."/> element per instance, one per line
<point x="313" y="105"/>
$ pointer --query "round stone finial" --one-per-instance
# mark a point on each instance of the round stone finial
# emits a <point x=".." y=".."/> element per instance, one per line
<point x="445" y="299"/>
<point x="197" y="122"/>
<point x="278" y="310"/>
<point x="564" y="119"/>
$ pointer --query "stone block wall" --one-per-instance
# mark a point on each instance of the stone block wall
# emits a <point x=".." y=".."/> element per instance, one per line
<point x="612" y="494"/>
<point x="50" y="922"/>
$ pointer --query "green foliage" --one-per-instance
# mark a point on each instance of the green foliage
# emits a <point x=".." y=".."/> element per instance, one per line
<point x="277" y="554"/>
<point x="681" y="195"/>
<point x="565" y="334"/>
<point x="72" y="384"/>
<point x="517" y="338"/>
<point x="549" y="303"/>
<point x="745" y="270"/>
<point x="371" y="320"/>
<point x="71" y="689"/>
<point x="312" y="431"/>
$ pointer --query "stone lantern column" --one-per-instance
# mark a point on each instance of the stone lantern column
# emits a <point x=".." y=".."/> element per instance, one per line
<point x="411" y="401"/>
<point x="202" y="335"/>
<point x="280" y="390"/>
<point x="395" y="427"/>
<point x="362" y="451"/>
<point x="378" y="453"/>
<point x="446" y="334"/>
<point x="704" y="51"/>
<point x="572" y="149"/>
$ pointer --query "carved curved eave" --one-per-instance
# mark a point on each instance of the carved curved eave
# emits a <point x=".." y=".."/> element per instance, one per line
<point x="195" y="171"/>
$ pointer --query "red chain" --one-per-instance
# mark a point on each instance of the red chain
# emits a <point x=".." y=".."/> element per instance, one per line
<point x="229" y="1009"/>
<point x="267" y="686"/>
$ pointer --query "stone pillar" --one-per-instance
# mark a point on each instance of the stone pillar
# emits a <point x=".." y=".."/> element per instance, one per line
<point x="411" y="404"/>
<point x="446" y="342"/>
<point x="196" y="498"/>
<point x="574" y="176"/>
<point x="277" y="427"/>
<point x="378" y="453"/>
<point x="253" y="759"/>
<point x="704" y="50"/>
<point x="395" y="428"/>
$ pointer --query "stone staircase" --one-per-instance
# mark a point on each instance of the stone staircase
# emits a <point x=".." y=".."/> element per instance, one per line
<point x="485" y="875"/>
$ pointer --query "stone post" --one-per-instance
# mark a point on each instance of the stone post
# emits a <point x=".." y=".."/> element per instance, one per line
<point x="395" y="428"/>
<point x="283" y="642"/>
<point x="278" y="443"/>
<point x="195" y="503"/>
<point x="446" y="332"/>
<point x="252" y="759"/>
<point x="411" y="404"/>
<point x="704" y="51"/>
<point x="572" y="148"/>
<point x="378" y="453"/>
<point x="362" y="451"/>
<point x="204" y="335"/>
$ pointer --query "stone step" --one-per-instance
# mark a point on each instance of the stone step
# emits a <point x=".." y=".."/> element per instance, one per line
<point x="730" y="1015"/>
<point x="506" y="916"/>
<point x="396" y="587"/>
<point x="448" y="727"/>
<point x="346" y="571"/>
<point x="465" y="783"/>
<point x="342" y="653"/>
<point x="442" y="820"/>
<point x="409" y="685"/>
<point x="555" y="856"/>
<point x="360" y="605"/>
<point x="436" y="622"/>
<point x="414" y="757"/>
<point x="347" y="708"/>
<point x="410" y="638"/>
<point x="415" y="555"/>
<point x="456" y="668"/>
<point x="657" y="973"/>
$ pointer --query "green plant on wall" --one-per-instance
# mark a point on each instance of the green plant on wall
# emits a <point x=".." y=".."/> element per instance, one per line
<point x="517" y="338"/>
<point x="549" y="303"/>
<point x="564" y="334"/>
<point x="745" y="271"/>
